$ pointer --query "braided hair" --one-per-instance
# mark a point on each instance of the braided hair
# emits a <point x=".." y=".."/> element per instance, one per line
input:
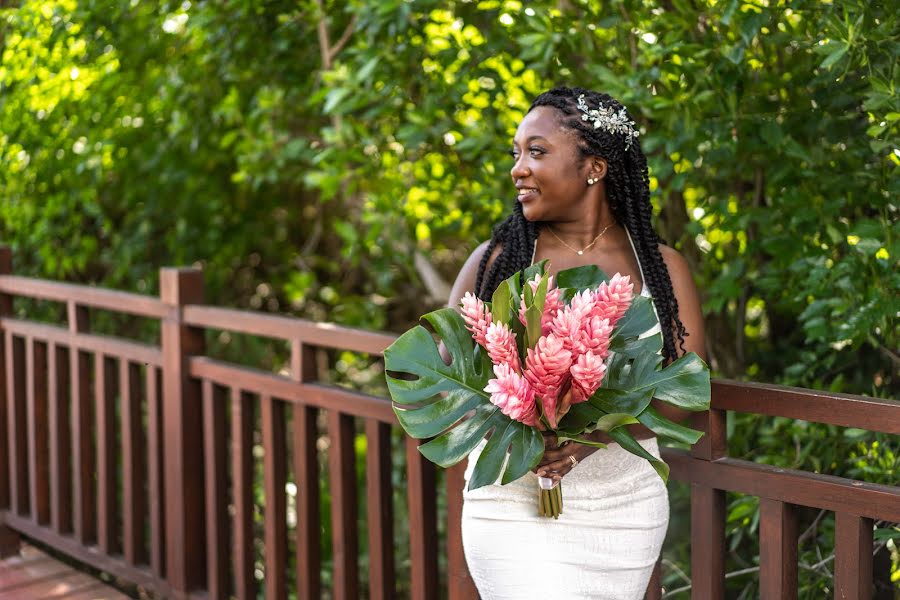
<point x="628" y="193"/>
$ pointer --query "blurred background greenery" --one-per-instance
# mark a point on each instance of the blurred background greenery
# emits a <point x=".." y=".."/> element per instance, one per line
<point x="338" y="160"/>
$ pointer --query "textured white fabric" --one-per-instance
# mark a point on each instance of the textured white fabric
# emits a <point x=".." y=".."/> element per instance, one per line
<point x="604" y="545"/>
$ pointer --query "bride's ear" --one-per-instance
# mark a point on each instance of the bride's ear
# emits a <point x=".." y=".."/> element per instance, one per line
<point x="598" y="168"/>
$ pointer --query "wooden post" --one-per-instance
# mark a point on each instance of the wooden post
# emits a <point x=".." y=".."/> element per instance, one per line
<point x="708" y="513"/>
<point x="9" y="539"/>
<point x="459" y="580"/>
<point x="182" y="435"/>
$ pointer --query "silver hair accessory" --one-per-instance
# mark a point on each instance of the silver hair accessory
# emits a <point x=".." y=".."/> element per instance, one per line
<point x="609" y="120"/>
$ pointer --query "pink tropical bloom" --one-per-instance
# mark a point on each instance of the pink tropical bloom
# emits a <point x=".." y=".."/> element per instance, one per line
<point x="593" y="337"/>
<point x="618" y="292"/>
<point x="500" y="343"/>
<point x="587" y="374"/>
<point x="566" y="326"/>
<point x="547" y="364"/>
<point x="476" y="316"/>
<point x="513" y="394"/>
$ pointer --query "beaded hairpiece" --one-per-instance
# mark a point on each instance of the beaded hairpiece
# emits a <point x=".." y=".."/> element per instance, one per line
<point x="609" y="120"/>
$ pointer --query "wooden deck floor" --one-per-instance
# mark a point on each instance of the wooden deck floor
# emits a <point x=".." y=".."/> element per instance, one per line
<point x="34" y="575"/>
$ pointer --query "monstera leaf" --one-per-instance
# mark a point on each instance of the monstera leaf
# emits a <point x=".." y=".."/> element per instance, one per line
<point x="448" y="403"/>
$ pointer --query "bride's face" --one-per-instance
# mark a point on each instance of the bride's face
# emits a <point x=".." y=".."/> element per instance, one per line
<point x="548" y="171"/>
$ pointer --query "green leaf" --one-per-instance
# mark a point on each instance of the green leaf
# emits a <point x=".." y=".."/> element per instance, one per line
<point x="612" y="401"/>
<point x="423" y="411"/>
<point x="634" y="347"/>
<point x="662" y="426"/>
<point x="501" y="304"/>
<point x="834" y="57"/>
<point x="639" y="318"/>
<point x="588" y="276"/>
<point x="492" y="457"/>
<point x="624" y="438"/>
<point x="581" y="440"/>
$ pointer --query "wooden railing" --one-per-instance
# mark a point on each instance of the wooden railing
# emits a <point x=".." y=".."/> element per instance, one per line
<point x="141" y="460"/>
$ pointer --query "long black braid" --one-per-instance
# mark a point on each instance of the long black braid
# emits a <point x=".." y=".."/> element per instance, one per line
<point x="628" y="192"/>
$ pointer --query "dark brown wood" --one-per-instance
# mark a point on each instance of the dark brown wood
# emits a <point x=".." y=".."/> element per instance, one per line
<point x="134" y="461"/>
<point x="853" y="557"/>
<point x="215" y="461"/>
<point x="38" y="434"/>
<point x="323" y="335"/>
<point x="713" y="444"/>
<point x="308" y="394"/>
<point x="69" y="546"/>
<point x="242" y="483"/>
<point x="9" y="538"/>
<point x="60" y="440"/>
<point x="105" y="391"/>
<point x="654" y="586"/>
<point x="155" y="476"/>
<point x="306" y="474"/>
<point x="380" y="511"/>
<point x="120" y="302"/>
<point x="17" y="424"/>
<point x="788" y="485"/>
<point x="183" y="427"/>
<point x="707" y="542"/>
<point x="83" y="456"/>
<point x="33" y="574"/>
<point x="275" y="477"/>
<point x="423" y="536"/>
<point x="459" y="580"/>
<point x="125" y="349"/>
<point x="874" y="414"/>
<point x="777" y="550"/>
<point x="342" y="480"/>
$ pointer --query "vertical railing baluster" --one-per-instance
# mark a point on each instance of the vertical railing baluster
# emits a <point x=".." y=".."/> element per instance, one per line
<point x="853" y="539"/>
<point x="459" y="581"/>
<point x="342" y="480"/>
<point x="423" y="548"/>
<point x="777" y="550"/>
<point x="242" y="486"/>
<point x="183" y="427"/>
<point x="215" y="456"/>
<point x="380" y="510"/>
<point x="83" y="455"/>
<point x="275" y="470"/>
<point x="38" y="442"/>
<point x="155" y="476"/>
<point x="133" y="461"/>
<point x="9" y="539"/>
<point x="60" y="440"/>
<point x="306" y="475"/>
<point x="105" y="392"/>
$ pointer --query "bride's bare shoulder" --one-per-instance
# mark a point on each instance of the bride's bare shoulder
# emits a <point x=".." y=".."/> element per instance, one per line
<point x="465" y="280"/>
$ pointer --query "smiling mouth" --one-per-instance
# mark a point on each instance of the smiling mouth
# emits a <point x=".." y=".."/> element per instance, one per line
<point x="526" y="194"/>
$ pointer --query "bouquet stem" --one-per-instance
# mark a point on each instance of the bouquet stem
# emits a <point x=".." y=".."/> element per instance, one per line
<point x="550" y="502"/>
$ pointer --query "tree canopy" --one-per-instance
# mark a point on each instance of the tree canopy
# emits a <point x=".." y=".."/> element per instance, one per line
<point x="338" y="160"/>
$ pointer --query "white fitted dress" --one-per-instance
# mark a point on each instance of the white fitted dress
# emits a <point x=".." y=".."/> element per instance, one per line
<point x="604" y="545"/>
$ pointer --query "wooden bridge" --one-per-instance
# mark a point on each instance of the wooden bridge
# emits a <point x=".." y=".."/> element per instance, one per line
<point x="142" y="460"/>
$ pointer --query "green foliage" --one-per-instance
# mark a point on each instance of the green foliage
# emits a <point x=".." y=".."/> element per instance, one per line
<point x="317" y="174"/>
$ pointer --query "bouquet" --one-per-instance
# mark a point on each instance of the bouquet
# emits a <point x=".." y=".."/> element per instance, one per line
<point x="569" y="357"/>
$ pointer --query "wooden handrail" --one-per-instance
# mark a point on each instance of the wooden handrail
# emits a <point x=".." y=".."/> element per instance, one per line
<point x="82" y="295"/>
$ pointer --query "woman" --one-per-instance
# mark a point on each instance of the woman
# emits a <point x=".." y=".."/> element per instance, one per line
<point x="583" y="198"/>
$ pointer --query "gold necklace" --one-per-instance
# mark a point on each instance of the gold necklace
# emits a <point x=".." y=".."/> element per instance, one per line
<point x="586" y="248"/>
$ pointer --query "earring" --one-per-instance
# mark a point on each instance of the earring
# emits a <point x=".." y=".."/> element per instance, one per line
<point x="591" y="181"/>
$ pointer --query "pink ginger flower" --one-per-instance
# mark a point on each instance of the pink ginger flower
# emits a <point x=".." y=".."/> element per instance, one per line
<point x="513" y="394"/>
<point x="500" y="342"/>
<point x="618" y="293"/>
<point x="593" y="337"/>
<point x="552" y="303"/>
<point x="566" y="327"/>
<point x="547" y="364"/>
<point x="587" y="374"/>
<point x="476" y="316"/>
